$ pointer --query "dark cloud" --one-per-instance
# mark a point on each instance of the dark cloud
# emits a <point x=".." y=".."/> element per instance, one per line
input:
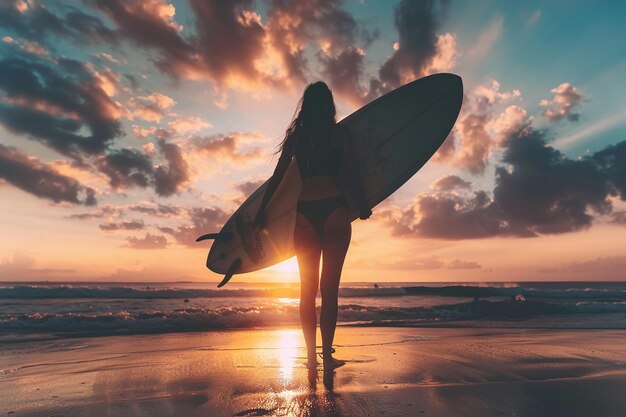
<point x="126" y="168"/>
<point x="450" y="217"/>
<point x="230" y="43"/>
<point x="227" y="41"/>
<point x="123" y="225"/>
<point x="149" y="241"/>
<point x="37" y="23"/>
<point x="538" y="191"/>
<point x="417" y="23"/>
<point x="542" y="191"/>
<point x="203" y="220"/>
<point x="229" y="38"/>
<point x="38" y="178"/>
<point x="172" y="177"/>
<point x="612" y="162"/>
<point x="343" y="73"/>
<point x="129" y="167"/>
<point x="54" y="105"/>
<point x="450" y="182"/>
<point x="295" y="25"/>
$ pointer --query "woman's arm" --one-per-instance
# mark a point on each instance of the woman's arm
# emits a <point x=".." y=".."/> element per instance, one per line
<point x="352" y="173"/>
<point x="275" y="179"/>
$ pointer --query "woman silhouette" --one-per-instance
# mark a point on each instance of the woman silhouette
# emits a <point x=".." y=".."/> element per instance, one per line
<point x="321" y="149"/>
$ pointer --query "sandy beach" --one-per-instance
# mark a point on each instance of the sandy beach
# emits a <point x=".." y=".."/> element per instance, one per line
<point x="390" y="371"/>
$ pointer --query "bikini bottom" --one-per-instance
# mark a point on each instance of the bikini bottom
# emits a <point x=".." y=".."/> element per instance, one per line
<point x="317" y="211"/>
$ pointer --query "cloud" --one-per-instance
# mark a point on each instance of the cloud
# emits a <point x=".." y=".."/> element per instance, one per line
<point x="129" y="167"/>
<point x="156" y="209"/>
<point x="564" y="104"/>
<point x="487" y="39"/>
<point x="483" y="125"/>
<point x="450" y="182"/>
<point x="619" y="217"/>
<point x="447" y="217"/>
<point x="538" y="191"/>
<point x="149" y="241"/>
<point x="96" y="214"/>
<point x="32" y="20"/>
<point x="40" y="179"/>
<point x="486" y="96"/>
<point x="203" y="220"/>
<point x="230" y="146"/>
<point x="126" y="168"/>
<point x="248" y="187"/>
<point x="419" y="263"/>
<point x="461" y="264"/>
<point x="343" y="73"/>
<point x="21" y="267"/>
<point x="476" y="143"/>
<point x="417" y="24"/>
<point x="150" y="108"/>
<point x="123" y="225"/>
<point x="534" y="18"/>
<point x="54" y="105"/>
<point x="143" y="132"/>
<point x="188" y="124"/>
<point x="227" y="42"/>
<point x="606" y="266"/>
<point x="107" y="57"/>
<point x="612" y="162"/>
<point x="172" y="177"/>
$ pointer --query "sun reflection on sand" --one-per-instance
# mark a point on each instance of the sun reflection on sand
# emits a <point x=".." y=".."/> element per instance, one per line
<point x="288" y="341"/>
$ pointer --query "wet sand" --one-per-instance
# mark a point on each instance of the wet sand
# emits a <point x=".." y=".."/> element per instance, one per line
<point x="390" y="371"/>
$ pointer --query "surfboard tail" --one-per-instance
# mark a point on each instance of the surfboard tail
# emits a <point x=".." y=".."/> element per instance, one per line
<point x="231" y="271"/>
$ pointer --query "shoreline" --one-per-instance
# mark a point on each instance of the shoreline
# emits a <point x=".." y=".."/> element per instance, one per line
<point x="390" y="371"/>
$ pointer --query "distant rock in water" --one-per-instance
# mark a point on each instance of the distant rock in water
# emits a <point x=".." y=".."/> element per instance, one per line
<point x="519" y="297"/>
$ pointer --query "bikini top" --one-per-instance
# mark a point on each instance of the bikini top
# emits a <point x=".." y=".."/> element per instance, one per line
<point x="326" y="162"/>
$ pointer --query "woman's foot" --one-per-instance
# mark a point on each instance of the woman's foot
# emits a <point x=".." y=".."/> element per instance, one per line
<point x="332" y="363"/>
<point x="311" y="362"/>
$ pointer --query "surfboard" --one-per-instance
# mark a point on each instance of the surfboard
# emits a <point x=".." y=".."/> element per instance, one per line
<point x="393" y="137"/>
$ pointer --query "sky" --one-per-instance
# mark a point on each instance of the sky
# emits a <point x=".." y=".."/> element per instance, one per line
<point x="130" y="127"/>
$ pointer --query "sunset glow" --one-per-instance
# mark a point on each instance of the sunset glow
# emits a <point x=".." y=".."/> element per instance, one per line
<point x="120" y="145"/>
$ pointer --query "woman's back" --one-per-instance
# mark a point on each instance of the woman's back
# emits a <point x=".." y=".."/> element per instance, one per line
<point x="319" y="166"/>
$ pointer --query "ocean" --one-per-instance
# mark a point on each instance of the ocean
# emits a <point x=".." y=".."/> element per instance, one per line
<point x="47" y="309"/>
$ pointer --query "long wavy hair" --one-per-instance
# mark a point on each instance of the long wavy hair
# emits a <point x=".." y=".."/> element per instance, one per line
<point x="312" y="127"/>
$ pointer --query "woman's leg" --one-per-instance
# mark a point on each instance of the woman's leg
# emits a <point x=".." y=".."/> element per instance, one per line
<point x="308" y="249"/>
<point x="337" y="233"/>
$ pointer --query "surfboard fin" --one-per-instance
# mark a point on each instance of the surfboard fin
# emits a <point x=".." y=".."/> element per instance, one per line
<point x="216" y="236"/>
<point x="231" y="271"/>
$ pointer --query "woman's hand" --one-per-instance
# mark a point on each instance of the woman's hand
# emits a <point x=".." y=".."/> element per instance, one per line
<point x="365" y="213"/>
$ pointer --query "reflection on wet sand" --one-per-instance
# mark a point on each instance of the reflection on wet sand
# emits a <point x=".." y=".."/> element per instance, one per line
<point x="315" y="400"/>
<point x="399" y="372"/>
<point x="300" y="391"/>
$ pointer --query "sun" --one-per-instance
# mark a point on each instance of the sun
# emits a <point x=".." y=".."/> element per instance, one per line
<point x="287" y="269"/>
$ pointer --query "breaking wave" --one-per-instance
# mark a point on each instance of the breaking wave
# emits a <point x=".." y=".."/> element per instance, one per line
<point x="203" y="319"/>
<point x="538" y="291"/>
